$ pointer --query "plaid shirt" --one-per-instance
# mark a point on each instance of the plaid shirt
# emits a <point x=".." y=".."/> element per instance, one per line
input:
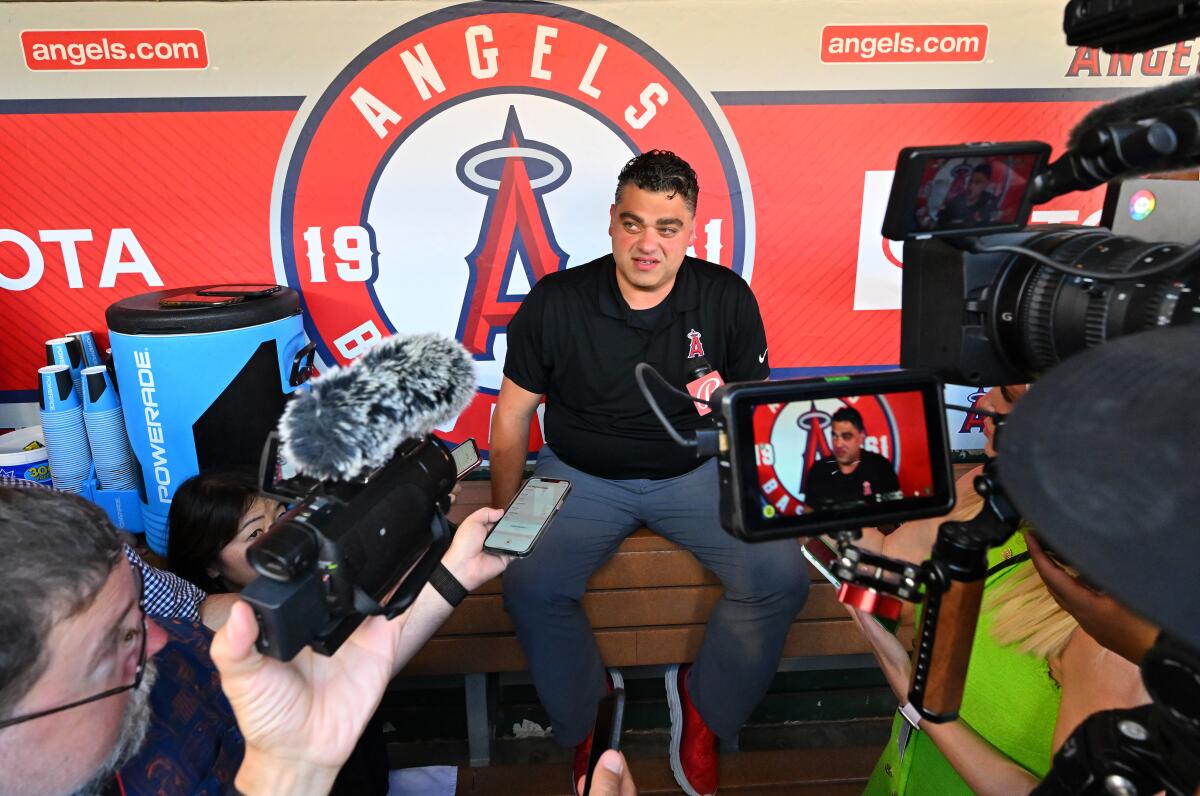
<point x="167" y="595"/>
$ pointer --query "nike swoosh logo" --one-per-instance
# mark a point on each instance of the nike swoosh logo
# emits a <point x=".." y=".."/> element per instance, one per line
<point x="762" y="357"/>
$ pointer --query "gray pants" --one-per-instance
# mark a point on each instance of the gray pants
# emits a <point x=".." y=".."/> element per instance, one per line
<point x="765" y="586"/>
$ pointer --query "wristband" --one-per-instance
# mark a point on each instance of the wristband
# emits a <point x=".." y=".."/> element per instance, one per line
<point x="911" y="715"/>
<point x="447" y="585"/>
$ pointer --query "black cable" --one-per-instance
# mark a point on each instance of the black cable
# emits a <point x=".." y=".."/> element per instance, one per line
<point x="639" y="375"/>
<point x="1038" y="257"/>
<point x="673" y="388"/>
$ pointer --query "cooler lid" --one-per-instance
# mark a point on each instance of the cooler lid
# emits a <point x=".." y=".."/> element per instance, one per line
<point x="202" y="308"/>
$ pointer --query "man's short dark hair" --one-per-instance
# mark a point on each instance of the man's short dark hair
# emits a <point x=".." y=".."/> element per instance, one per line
<point x="985" y="169"/>
<point x="849" y="415"/>
<point x="660" y="171"/>
<point x="58" y="551"/>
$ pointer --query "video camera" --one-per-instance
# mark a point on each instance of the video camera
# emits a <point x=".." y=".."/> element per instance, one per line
<point x="368" y="487"/>
<point x="989" y="300"/>
<point x="344" y="546"/>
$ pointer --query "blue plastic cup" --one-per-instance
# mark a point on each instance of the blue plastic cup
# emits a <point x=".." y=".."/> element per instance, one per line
<point x="67" y="448"/>
<point x="56" y="389"/>
<point x="66" y="351"/>
<point x="87" y="343"/>
<point x="98" y="392"/>
<point x="105" y="424"/>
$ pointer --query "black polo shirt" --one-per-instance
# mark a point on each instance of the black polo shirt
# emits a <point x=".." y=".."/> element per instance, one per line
<point x="827" y="484"/>
<point x="576" y="341"/>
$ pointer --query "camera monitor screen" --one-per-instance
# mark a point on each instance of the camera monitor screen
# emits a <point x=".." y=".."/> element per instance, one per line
<point x="842" y="454"/>
<point x="942" y="191"/>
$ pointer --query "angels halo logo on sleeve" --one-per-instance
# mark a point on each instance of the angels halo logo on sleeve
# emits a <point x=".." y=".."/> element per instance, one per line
<point x="467" y="154"/>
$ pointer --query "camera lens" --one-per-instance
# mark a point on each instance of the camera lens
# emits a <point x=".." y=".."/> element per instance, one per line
<point x="1052" y="315"/>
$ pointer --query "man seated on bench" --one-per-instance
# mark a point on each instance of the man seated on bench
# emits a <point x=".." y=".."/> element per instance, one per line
<point x="576" y="340"/>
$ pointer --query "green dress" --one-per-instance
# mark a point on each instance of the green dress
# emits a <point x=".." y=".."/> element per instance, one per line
<point x="1009" y="699"/>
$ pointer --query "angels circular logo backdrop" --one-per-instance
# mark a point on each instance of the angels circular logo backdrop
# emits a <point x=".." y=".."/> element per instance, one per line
<point x="469" y="153"/>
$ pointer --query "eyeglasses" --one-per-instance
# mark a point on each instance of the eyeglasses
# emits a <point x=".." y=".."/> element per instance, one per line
<point x="137" y="677"/>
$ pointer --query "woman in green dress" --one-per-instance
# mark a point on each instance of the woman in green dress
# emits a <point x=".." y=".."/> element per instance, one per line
<point x="1034" y="673"/>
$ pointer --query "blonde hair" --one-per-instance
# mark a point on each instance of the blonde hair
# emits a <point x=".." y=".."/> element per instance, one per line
<point x="1027" y="615"/>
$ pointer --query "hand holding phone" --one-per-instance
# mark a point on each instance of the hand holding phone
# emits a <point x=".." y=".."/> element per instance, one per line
<point x="527" y="516"/>
<point x="610" y="715"/>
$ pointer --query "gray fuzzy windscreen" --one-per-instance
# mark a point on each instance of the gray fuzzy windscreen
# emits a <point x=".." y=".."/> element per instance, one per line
<point x="354" y="417"/>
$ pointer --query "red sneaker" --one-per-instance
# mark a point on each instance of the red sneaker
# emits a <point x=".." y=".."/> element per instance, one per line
<point x="693" y="745"/>
<point x="584" y="750"/>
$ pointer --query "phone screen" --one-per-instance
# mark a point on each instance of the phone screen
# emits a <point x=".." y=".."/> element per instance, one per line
<point x="528" y="514"/>
<point x="466" y="457"/>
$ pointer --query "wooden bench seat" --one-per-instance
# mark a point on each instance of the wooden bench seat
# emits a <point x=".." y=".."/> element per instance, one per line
<point x="648" y="605"/>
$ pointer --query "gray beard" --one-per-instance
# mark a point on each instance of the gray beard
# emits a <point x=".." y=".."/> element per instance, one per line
<point x="134" y="723"/>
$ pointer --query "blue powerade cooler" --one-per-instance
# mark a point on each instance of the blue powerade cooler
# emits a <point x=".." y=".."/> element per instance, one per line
<point x="203" y="374"/>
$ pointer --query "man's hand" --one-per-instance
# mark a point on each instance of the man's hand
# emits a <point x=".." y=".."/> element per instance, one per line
<point x="301" y="719"/>
<point x="1109" y="622"/>
<point x="611" y="778"/>
<point x="466" y="559"/>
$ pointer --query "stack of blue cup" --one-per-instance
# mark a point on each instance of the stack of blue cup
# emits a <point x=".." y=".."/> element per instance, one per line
<point x="87" y="344"/>
<point x="63" y="428"/>
<point x="106" y="431"/>
<point x="67" y="351"/>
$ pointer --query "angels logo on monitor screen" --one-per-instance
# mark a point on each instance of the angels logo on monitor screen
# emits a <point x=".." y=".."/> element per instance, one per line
<point x="469" y="153"/>
<point x="791" y="437"/>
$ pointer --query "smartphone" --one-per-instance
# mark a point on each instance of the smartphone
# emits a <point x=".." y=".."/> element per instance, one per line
<point x="242" y="291"/>
<point x="185" y="300"/>
<point x="610" y="715"/>
<point x="527" y="516"/>
<point x="466" y="457"/>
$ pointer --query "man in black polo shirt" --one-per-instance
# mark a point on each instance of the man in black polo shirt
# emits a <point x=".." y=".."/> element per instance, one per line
<point x="853" y="475"/>
<point x="575" y="340"/>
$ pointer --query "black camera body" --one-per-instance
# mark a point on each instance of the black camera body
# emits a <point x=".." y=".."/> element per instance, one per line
<point x="345" y="546"/>
<point x="980" y="308"/>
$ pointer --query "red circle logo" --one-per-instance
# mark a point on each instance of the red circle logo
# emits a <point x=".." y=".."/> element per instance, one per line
<point x="469" y="153"/>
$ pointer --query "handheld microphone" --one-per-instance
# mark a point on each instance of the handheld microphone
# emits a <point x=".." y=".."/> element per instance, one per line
<point x="1152" y="131"/>
<point x="703" y="382"/>
<point x="355" y="417"/>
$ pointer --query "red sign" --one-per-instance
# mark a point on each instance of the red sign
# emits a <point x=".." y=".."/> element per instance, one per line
<point x="809" y="163"/>
<point x="890" y="44"/>
<point x="468" y="154"/>
<point x="107" y="204"/>
<point x="84" y="50"/>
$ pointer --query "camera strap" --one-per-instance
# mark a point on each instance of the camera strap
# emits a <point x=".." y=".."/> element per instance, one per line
<point x="417" y="577"/>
